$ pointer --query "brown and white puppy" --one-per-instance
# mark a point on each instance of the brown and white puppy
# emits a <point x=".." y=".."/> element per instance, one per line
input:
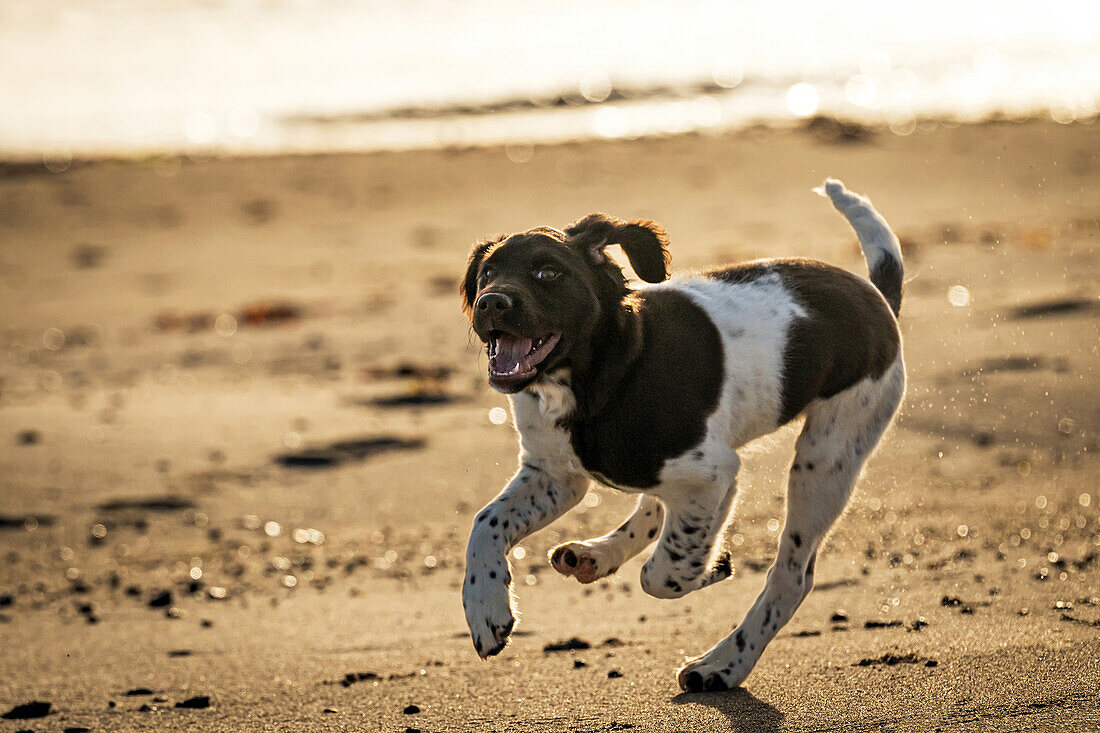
<point x="652" y="390"/>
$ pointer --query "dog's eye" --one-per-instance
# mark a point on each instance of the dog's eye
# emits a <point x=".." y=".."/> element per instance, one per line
<point x="488" y="273"/>
<point x="547" y="274"/>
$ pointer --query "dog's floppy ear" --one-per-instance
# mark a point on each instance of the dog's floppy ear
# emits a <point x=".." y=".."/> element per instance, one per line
<point x="644" y="242"/>
<point x="468" y="287"/>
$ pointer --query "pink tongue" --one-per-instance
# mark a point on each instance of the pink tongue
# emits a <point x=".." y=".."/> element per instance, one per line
<point x="510" y="349"/>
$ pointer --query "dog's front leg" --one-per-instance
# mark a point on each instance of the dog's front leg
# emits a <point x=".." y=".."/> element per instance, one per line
<point x="535" y="497"/>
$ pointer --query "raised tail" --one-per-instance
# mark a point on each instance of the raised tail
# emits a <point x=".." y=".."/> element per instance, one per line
<point x="880" y="244"/>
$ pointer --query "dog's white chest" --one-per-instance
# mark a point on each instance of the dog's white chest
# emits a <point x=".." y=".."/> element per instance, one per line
<point x="539" y="413"/>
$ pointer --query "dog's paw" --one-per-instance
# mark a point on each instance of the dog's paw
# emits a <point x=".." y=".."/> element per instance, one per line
<point x="487" y="603"/>
<point x="712" y="675"/>
<point x="581" y="561"/>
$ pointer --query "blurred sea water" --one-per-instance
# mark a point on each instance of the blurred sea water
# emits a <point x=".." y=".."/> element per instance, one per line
<point x="122" y="77"/>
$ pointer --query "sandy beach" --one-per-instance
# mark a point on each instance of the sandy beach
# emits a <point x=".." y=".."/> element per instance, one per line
<point x="244" y="429"/>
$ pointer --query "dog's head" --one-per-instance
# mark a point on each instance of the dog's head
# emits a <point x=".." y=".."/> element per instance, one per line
<point x="538" y="297"/>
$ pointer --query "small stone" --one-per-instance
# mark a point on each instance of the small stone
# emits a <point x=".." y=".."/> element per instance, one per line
<point x="198" y="702"/>
<point x="614" y="674"/>
<point x="411" y="710"/>
<point x="138" y="691"/>
<point x="329" y="711"/>
<point x="840" y="617"/>
<point x="578" y="663"/>
<point x="160" y="600"/>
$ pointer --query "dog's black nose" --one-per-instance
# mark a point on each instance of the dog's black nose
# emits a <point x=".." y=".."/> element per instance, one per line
<point x="494" y="302"/>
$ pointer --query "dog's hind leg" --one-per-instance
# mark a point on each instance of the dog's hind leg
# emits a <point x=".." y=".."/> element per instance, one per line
<point x="593" y="559"/>
<point x="839" y="435"/>
<point x="697" y="496"/>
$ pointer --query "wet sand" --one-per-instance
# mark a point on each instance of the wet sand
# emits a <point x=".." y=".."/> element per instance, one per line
<point x="244" y="429"/>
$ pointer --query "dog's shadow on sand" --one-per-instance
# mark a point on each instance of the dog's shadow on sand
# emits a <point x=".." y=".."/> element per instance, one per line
<point x="746" y="713"/>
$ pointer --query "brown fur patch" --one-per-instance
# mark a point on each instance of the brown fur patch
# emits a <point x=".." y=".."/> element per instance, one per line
<point x="849" y="333"/>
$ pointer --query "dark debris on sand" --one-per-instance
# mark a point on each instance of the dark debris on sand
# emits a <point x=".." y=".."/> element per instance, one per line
<point x="892" y="660"/>
<point x="352" y="677"/>
<point x="345" y="450"/>
<point x="199" y="702"/>
<point x="1055" y="307"/>
<point x="8" y="521"/>
<point x="418" y="398"/>
<point x="568" y="645"/>
<point x="148" y="503"/>
<point x="27" y="711"/>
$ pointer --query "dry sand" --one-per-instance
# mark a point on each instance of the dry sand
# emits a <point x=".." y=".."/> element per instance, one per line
<point x="966" y="567"/>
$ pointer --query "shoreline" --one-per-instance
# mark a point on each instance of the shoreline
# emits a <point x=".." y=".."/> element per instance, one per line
<point x="830" y="127"/>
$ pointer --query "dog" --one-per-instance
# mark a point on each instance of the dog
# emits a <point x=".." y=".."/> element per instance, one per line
<point x="651" y="390"/>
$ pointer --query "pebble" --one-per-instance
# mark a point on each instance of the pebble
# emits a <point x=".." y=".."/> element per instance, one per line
<point x="160" y="600"/>
<point x="614" y="674"/>
<point x="195" y="703"/>
<point x="411" y="710"/>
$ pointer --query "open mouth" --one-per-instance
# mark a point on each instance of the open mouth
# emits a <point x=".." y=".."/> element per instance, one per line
<point x="514" y="358"/>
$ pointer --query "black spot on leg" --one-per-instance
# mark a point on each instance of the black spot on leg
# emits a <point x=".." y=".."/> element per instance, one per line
<point x="688" y="529"/>
<point x="809" y="466"/>
<point x="652" y="533"/>
<point x="505" y="525"/>
<point x="493" y="574"/>
<point x="482" y="517"/>
<point x="473" y="579"/>
<point x="674" y="556"/>
<point x="673" y="585"/>
<point x="767" y="616"/>
<point x="739" y="637"/>
<point x="493" y="522"/>
<point x="796" y="468"/>
<point x="796" y="538"/>
<point x="631" y="535"/>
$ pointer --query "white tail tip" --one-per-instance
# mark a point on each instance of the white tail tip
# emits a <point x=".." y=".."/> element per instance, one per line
<point x="836" y="192"/>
